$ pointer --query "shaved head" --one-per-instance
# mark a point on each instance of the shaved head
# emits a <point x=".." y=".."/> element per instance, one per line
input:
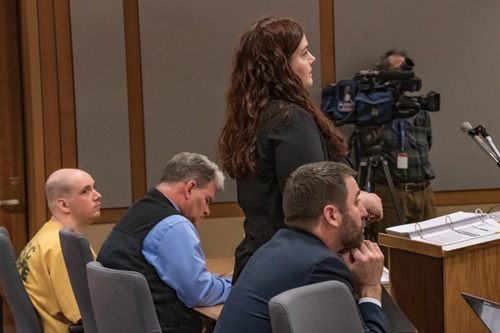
<point x="71" y="195"/>
<point x="59" y="185"/>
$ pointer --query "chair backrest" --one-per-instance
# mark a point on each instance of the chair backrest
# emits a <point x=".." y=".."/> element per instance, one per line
<point x="321" y="307"/>
<point x="77" y="253"/>
<point x="20" y="304"/>
<point x="122" y="300"/>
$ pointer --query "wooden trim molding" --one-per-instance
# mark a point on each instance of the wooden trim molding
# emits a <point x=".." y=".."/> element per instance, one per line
<point x="33" y="105"/>
<point x="232" y="209"/>
<point x="50" y="91"/>
<point x="225" y="209"/>
<point x="110" y="215"/>
<point x="65" y="84"/>
<point x="467" y="197"/>
<point x="327" y="41"/>
<point x="135" y="98"/>
<point x="217" y="210"/>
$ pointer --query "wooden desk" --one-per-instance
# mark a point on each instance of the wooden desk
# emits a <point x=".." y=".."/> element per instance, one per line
<point x="427" y="282"/>
<point x="218" y="266"/>
<point x="211" y="312"/>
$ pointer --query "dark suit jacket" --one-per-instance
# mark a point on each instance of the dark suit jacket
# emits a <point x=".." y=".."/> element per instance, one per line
<point x="289" y="260"/>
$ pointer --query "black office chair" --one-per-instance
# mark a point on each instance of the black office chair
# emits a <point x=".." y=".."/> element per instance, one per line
<point x="122" y="300"/>
<point x="321" y="307"/>
<point x="25" y="316"/>
<point x="77" y="253"/>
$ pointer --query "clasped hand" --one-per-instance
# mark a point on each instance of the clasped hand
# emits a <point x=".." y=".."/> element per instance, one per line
<point x="366" y="264"/>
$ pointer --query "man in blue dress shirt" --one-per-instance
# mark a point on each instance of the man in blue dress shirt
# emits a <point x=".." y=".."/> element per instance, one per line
<point x="157" y="237"/>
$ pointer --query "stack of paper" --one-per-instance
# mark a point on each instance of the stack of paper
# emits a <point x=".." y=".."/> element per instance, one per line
<point x="450" y="229"/>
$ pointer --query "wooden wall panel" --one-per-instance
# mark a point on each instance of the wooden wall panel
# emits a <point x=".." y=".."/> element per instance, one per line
<point x="327" y="38"/>
<point x="49" y="97"/>
<point x="50" y="93"/>
<point x="135" y="98"/>
<point x="66" y="95"/>
<point x="35" y="153"/>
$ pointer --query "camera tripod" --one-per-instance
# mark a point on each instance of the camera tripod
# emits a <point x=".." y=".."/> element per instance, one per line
<point x="374" y="162"/>
<point x="366" y="142"/>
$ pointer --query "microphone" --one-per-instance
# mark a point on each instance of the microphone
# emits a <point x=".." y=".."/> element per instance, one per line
<point x="466" y="127"/>
<point x="473" y="133"/>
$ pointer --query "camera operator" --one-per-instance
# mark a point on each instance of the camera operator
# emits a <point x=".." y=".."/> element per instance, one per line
<point x="405" y="146"/>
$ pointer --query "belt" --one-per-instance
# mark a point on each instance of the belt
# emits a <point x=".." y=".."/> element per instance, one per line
<point x="412" y="187"/>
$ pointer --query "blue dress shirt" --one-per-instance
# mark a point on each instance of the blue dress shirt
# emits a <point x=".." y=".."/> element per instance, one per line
<point x="173" y="248"/>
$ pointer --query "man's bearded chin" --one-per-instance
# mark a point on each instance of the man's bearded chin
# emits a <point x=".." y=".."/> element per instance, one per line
<point x="351" y="235"/>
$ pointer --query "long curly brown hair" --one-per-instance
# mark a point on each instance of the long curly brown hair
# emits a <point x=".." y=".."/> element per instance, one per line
<point x="262" y="72"/>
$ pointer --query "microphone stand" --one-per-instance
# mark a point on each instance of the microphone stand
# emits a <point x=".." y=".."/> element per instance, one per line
<point x="474" y="134"/>
<point x="486" y="136"/>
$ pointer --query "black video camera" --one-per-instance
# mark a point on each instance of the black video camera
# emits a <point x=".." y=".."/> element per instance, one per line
<point x="377" y="97"/>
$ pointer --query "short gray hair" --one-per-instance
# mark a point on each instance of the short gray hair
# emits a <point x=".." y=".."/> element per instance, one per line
<point x="185" y="166"/>
<point x="310" y="188"/>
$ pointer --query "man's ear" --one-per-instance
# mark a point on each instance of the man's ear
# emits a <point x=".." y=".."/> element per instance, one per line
<point x="332" y="215"/>
<point x="63" y="205"/>
<point x="188" y="188"/>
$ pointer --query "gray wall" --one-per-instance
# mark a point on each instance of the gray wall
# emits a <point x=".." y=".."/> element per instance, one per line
<point x="101" y="97"/>
<point x="455" y="49"/>
<point x="187" y="48"/>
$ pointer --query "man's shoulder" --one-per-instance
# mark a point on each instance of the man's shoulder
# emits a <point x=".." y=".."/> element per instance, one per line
<point x="47" y="236"/>
<point x="293" y="237"/>
<point x="149" y="210"/>
<point x="41" y="249"/>
<point x="176" y="223"/>
<point x="305" y="249"/>
<point x="291" y="247"/>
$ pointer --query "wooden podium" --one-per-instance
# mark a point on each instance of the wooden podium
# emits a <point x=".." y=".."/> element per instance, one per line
<point x="426" y="282"/>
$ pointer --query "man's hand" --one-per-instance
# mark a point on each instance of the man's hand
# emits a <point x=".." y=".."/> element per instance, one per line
<point x="373" y="205"/>
<point x="366" y="264"/>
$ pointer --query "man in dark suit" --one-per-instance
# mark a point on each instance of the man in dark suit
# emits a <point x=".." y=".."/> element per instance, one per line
<point x="324" y="218"/>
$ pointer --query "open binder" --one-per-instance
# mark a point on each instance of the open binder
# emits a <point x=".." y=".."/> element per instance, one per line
<point x="454" y="230"/>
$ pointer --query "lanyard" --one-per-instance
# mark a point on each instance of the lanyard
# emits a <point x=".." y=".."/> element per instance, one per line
<point x="402" y="132"/>
<point x="398" y="126"/>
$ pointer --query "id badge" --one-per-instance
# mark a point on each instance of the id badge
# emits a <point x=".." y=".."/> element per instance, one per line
<point x="402" y="161"/>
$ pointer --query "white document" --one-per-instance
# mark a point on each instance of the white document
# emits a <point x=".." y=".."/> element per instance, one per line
<point x="460" y="234"/>
<point x="449" y="229"/>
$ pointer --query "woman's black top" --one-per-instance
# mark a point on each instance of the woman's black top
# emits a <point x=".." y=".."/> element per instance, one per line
<point x="284" y="143"/>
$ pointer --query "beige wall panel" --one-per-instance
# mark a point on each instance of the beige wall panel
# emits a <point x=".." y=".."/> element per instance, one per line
<point x="453" y="45"/>
<point x="101" y="97"/>
<point x="187" y="48"/>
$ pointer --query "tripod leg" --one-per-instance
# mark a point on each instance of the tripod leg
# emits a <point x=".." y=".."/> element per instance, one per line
<point x="369" y="232"/>
<point x="392" y="190"/>
<point x="369" y="175"/>
<point x="359" y="177"/>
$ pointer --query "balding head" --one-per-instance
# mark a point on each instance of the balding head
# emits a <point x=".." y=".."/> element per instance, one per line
<point x="71" y="196"/>
<point x="59" y="185"/>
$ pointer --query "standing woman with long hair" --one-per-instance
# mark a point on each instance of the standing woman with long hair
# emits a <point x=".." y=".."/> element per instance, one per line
<point x="272" y="128"/>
